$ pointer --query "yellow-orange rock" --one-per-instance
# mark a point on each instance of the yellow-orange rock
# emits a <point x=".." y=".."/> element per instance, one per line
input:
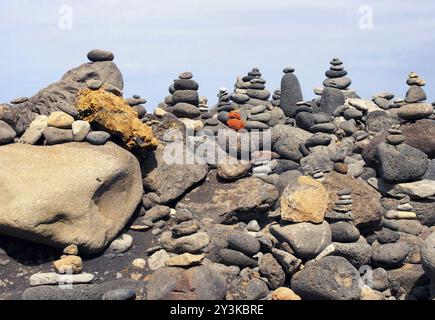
<point x="282" y="294"/>
<point x="112" y="114"/>
<point x="305" y="201"/>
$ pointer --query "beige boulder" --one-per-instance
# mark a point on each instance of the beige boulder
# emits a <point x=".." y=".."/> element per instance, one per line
<point x="285" y="294"/>
<point x="305" y="201"/>
<point x="69" y="265"/>
<point x="67" y="194"/>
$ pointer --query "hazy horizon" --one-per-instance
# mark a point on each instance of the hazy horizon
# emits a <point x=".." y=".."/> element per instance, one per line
<point x="155" y="41"/>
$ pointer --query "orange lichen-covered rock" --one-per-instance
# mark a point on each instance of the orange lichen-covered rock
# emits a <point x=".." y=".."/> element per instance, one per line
<point x="234" y="115"/>
<point x="236" y="124"/>
<point x="112" y="114"/>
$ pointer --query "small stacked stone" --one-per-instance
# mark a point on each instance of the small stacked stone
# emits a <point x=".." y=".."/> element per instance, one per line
<point x="258" y="118"/>
<point x="336" y="76"/>
<point x="395" y="136"/>
<point x="318" y="175"/>
<point x="203" y="105"/>
<point x="322" y="122"/>
<point x="276" y="98"/>
<point x="184" y="99"/>
<point x="384" y="100"/>
<point x="137" y="103"/>
<point x="70" y="262"/>
<point x="183" y="246"/>
<point x="415" y="107"/>
<point x="404" y="211"/>
<point x="240" y="97"/>
<point x="342" y="209"/>
<point x="224" y="103"/>
<point x="254" y="87"/>
<point x="262" y="168"/>
<point x="59" y="128"/>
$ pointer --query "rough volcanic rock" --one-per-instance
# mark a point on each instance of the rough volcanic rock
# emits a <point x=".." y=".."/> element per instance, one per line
<point x="67" y="193"/>
<point x="401" y="163"/>
<point x="418" y="136"/>
<point x="330" y="278"/>
<point x="305" y="201"/>
<point x="291" y="93"/>
<point x="366" y="206"/>
<point x="112" y="114"/>
<point x="227" y="201"/>
<point x="61" y="95"/>
<point x="198" y="283"/>
<point x="306" y="239"/>
<point x="169" y="180"/>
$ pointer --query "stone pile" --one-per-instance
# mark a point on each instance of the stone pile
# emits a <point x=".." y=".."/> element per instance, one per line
<point x="415" y="107"/>
<point x="344" y="187"/>
<point x="184" y="99"/>
<point x="254" y="86"/>
<point x="276" y="98"/>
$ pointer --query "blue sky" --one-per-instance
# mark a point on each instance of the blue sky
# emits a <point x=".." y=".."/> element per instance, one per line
<point x="154" y="41"/>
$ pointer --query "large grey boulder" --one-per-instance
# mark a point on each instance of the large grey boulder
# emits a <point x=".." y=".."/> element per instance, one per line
<point x="61" y="95"/>
<point x="227" y="202"/>
<point x="198" y="283"/>
<point x="167" y="179"/>
<point x="67" y="194"/>
<point x="330" y="278"/>
<point x="401" y="163"/>
<point x="306" y="239"/>
<point x="331" y="99"/>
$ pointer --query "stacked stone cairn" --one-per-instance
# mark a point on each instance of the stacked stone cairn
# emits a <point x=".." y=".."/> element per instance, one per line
<point x="415" y="107"/>
<point x="184" y="99"/>
<point x="276" y="98"/>
<point x="182" y="246"/>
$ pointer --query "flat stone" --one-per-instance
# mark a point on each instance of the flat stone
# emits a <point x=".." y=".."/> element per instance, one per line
<point x="185" y="260"/>
<point x="40" y="279"/>
<point x="397" y="214"/>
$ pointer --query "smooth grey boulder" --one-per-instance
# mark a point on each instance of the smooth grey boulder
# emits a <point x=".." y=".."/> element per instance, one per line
<point x="291" y="93"/>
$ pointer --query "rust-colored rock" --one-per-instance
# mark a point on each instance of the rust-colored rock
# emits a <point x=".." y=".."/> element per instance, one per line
<point x="111" y="113"/>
